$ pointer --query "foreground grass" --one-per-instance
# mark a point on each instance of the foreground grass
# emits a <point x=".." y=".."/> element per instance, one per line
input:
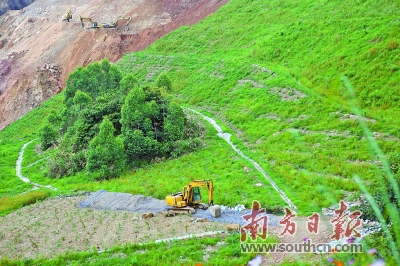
<point x="188" y="252"/>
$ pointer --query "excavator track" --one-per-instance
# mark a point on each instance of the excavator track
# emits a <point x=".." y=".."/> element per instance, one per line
<point x="188" y="210"/>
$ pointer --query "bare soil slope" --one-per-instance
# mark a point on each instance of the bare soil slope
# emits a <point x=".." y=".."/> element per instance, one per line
<point x="38" y="50"/>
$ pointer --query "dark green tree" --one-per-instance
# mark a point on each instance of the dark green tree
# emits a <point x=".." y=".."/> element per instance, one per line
<point x="95" y="80"/>
<point x="81" y="100"/>
<point x="54" y="119"/>
<point x="138" y="127"/>
<point x="127" y="83"/>
<point x="48" y="136"/>
<point x="106" y="154"/>
<point x="174" y="124"/>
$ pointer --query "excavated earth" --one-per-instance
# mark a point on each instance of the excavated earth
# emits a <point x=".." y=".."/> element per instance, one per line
<point x="38" y="50"/>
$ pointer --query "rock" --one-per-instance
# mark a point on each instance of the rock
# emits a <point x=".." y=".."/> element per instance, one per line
<point x="215" y="211"/>
<point x="170" y="214"/>
<point x="239" y="207"/>
<point x="232" y="227"/>
<point x="147" y="215"/>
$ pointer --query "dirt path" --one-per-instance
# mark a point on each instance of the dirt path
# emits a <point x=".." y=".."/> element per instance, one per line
<point x="18" y="168"/>
<point x="226" y="137"/>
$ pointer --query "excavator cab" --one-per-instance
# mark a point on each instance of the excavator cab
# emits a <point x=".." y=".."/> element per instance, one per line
<point x="196" y="195"/>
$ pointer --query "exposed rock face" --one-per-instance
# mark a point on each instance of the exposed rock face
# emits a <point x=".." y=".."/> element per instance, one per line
<point x="6" y="5"/>
<point x="38" y="50"/>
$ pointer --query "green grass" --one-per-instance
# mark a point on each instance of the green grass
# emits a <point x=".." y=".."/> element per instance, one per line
<point x="9" y="204"/>
<point x="186" y="252"/>
<point x="303" y="145"/>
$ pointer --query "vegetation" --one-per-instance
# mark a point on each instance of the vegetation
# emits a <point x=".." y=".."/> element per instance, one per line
<point x="106" y="129"/>
<point x="172" y="253"/>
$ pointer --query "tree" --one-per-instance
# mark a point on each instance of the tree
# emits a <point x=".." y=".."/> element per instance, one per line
<point x="164" y="82"/>
<point x="127" y="83"/>
<point x="81" y="99"/>
<point x="138" y="146"/>
<point x="54" y="119"/>
<point x="137" y="112"/>
<point x="106" y="154"/>
<point x="137" y="120"/>
<point x="48" y="136"/>
<point x="95" y="80"/>
<point x="174" y="125"/>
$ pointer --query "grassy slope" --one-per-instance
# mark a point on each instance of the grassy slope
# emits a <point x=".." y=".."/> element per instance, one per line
<point x="310" y="149"/>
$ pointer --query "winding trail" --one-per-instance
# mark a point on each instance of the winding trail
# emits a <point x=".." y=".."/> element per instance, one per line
<point x="227" y="138"/>
<point x="18" y="168"/>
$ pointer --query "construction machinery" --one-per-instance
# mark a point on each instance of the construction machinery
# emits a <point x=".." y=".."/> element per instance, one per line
<point x="68" y="16"/>
<point x="190" y="198"/>
<point x="92" y="23"/>
<point x="113" y="24"/>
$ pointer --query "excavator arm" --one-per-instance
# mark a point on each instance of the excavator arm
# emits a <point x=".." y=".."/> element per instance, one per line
<point x="86" y="19"/>
<point x="114" y="24"/>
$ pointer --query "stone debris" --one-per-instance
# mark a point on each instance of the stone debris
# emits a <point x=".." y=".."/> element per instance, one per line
<point x="288" y="94"/>
<point x="147" y="215"/>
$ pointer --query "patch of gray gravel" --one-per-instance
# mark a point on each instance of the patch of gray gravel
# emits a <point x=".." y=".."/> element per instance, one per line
<point x="233" y="216"/>
<point x="115" y="201"/>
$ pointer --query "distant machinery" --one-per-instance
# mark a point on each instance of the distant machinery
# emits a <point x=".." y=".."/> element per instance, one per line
<point x="113" y="24"/>
<point x="68" y="16"/>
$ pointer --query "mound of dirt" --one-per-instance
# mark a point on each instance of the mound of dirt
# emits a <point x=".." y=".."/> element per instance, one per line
<point x="114" y="201"/>
<point x="38" y="50"/>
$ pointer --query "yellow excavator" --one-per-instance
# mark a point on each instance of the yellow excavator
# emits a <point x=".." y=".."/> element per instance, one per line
<point x="92" y="23"/>
<point x="68" y="16"/>
<point x="113" y="24"/>
<point x="190" y="198"/>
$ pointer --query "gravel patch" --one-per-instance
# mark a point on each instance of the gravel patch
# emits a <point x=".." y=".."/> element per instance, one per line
<point x="114" y="201"/>
<point x="233" y="216"/>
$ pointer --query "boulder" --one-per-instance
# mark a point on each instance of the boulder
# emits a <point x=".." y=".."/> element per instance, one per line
<point x="215" y="211"/>
<point x="147" y="215"/>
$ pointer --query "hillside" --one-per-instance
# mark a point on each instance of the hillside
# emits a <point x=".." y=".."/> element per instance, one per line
<point x="307" y="91"/>
<point x="38" y="50"/>
<point x="6" y="5"/>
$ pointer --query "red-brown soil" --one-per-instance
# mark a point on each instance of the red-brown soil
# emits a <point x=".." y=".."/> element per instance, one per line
<point x="38" y="50"/>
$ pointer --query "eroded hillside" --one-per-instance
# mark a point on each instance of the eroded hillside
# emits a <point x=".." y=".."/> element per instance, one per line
<point x="38" y="50"/>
